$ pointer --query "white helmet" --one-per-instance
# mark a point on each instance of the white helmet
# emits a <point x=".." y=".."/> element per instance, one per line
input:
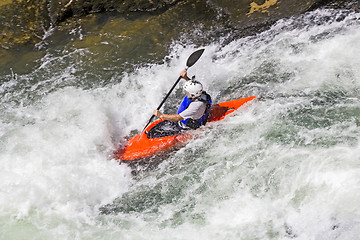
<point x="194" y="88"/>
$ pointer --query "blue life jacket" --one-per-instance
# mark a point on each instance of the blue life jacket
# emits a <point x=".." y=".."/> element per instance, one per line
<point x="192" y="123"/>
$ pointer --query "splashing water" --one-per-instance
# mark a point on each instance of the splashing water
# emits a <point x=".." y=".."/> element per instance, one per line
<point x="287" y="166"/>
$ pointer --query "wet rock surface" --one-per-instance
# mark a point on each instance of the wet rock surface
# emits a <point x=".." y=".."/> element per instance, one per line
<point x="63" y="9"/>
<point x="25" y="22"/>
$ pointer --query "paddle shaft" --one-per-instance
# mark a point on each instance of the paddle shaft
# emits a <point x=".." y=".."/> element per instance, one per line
<point x="191" y="61"/>
<point x="163" y="101"/>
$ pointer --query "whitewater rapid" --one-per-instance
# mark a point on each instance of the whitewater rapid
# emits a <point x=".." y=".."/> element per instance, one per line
<point x="285" y="166"/>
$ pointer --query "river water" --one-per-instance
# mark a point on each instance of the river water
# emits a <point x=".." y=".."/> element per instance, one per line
<point x="285" y="166"/>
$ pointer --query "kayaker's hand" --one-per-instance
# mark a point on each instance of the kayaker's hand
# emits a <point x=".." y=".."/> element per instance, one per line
<point x="183" y="74"/>
<point x="157" y="113"/>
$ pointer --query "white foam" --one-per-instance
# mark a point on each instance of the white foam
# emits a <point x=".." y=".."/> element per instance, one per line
<point x="262" y="173"/>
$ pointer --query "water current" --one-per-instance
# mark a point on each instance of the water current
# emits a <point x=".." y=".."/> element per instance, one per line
<point x="285" y="166"/>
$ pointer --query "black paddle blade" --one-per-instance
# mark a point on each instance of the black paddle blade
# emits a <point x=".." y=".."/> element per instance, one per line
<point x="194" y="57"/>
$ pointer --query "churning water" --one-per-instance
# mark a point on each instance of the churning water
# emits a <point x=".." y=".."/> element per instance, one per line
<point x="286" y="166"/>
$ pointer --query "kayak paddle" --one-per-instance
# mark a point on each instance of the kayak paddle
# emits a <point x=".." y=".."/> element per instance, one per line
<point x="191" y="61"/>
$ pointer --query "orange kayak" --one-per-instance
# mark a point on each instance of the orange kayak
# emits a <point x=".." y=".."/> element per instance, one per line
<point x="140" y="146"/>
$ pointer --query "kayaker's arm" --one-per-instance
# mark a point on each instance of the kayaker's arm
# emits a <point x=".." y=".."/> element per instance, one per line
<point x="172" y="117"/>
<point x="184" y="75"/>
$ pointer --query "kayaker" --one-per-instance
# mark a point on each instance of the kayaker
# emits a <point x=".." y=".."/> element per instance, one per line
<point x="192" y="113"/>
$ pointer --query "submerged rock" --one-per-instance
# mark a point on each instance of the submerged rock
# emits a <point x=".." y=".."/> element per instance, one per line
<point x="22" y="21"/>
<point x="63" y="9"/>
<point x="30" y="21"/>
